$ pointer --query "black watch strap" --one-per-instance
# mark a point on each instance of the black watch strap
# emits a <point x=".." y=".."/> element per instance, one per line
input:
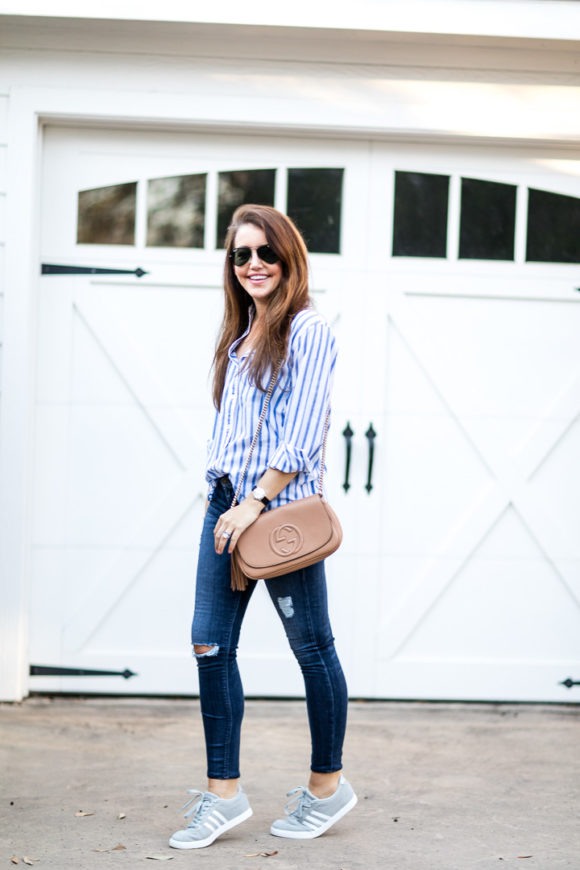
<point x="260" y="495"/>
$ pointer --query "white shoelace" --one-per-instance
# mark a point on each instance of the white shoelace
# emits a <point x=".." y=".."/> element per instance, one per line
<point x="202" y="802"/>
<point x="301" y="800"/>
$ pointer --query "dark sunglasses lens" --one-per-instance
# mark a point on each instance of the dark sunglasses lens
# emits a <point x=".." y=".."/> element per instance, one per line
<point x="267" y="255"/>
<point x="240" y="256"/>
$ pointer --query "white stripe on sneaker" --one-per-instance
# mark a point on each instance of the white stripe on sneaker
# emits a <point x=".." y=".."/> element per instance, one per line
<point x="211" y="825"/>
<point x="218" y="815"/>
<point x="214" y="823"/>
<point x="322" y="816"/>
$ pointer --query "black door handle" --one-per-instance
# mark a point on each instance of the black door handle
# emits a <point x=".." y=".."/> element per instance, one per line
<point x="348" y="433"/>
<point x="370" y="435"/>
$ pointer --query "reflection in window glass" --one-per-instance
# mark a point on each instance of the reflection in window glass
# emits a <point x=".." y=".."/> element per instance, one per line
<point x="236" y="188"/>
<point x="314" y="204"/>
<point x="488" y="218"/>
<point x="106" y="215"/>
<point x="420" y="218"/>
<point x="553" y="228"/>
<point x="176" y="211"/>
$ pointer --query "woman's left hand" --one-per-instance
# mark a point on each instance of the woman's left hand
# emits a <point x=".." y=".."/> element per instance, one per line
<point x="233" y="522"/>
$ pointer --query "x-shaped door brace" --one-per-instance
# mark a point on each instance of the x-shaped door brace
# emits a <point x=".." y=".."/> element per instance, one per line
<point x="510" y="487"/>
<point x="158" y="524"/>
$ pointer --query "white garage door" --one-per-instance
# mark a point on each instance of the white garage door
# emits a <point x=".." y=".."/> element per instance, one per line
<point x="449" y="277"/>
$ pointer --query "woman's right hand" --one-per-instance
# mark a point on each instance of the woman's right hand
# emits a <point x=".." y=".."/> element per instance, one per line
<point x="233" y="522"/>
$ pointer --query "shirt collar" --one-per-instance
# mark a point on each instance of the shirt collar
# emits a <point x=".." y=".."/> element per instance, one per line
<point x="232" y="348"/>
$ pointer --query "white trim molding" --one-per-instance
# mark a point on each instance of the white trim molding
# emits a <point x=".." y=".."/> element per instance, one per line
<point x="539" y="19"/>
<point x="18" y="379"/>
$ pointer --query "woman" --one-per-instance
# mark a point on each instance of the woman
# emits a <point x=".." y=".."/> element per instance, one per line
<point x="268" y="317"/>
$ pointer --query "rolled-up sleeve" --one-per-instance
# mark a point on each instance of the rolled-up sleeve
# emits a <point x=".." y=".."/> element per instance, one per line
<point x="312" y="361"/>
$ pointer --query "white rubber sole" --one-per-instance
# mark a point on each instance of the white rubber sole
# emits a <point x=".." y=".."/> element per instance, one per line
<point x="310" y="835"/>
<point x="200" y="844"/>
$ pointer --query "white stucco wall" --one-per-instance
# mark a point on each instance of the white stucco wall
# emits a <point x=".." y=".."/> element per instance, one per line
<point x="379" y="84"/>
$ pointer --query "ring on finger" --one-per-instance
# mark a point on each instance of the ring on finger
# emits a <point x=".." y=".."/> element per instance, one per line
<point x="226" y="534"/>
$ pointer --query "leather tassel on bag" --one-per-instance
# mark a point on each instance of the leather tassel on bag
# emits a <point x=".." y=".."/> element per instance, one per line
<point x="239" y="579"/>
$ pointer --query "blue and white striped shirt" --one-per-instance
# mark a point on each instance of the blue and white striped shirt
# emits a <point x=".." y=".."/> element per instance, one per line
<point x="291" y="435"/>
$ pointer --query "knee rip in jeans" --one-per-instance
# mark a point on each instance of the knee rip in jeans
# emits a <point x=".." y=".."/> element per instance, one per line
<point x="203" y="650"/>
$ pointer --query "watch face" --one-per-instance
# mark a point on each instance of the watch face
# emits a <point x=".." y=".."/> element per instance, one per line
<point x="259" y="493"/>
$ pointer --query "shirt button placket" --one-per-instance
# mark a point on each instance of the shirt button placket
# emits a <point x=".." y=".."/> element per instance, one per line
<point x="231" y="406"/>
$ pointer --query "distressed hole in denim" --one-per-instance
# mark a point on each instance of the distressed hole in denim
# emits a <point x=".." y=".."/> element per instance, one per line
<point x="200" y="650"/>
<point x="286" y="606"/>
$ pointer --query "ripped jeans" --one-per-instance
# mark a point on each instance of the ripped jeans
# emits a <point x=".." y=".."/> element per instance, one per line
<point x="300" y="601"/>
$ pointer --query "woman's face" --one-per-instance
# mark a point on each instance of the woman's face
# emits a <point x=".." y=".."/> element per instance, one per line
<point x="259" y="279"/>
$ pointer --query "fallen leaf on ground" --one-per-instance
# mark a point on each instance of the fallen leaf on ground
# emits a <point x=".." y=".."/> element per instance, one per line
<point x="525" y="856"/>
<point x="30" y="861"/>
<point x="118" y="848"/>
<point x="121" y="816"/>
<point x="83" y="813"/>
<point x="160" y="857"/>
<point x="15" y="859"/>
<point x="261" y="854"/>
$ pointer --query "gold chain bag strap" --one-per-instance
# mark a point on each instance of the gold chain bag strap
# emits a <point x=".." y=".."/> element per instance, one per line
<point x="289" y="537"/>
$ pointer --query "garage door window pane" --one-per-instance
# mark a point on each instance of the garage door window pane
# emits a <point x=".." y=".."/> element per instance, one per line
<point x="314" y="204"/>
<point x="236" y="188"/>
<point x="106" y="215"/>
<point x="420" y="219"/>
<point x="553" y="228"/>
<point x="488" y="217"/>
<point x="176" y="211"/>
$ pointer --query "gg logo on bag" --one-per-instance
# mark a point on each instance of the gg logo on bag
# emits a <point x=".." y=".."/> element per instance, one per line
<point x="286" y="540"/>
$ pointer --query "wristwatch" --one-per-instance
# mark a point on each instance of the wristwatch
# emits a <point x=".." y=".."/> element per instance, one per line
<point x="260" y="495"/>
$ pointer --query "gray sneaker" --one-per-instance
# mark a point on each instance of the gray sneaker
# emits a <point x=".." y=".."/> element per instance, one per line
<point x="311" y="816"/>
<point x="212" y="816"/>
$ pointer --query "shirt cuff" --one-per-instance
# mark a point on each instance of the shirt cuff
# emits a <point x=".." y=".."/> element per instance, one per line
<point x="289" y="458"/>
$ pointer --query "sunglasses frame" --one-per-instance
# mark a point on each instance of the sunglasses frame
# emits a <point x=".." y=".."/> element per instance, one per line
<point x="272" y="256"/>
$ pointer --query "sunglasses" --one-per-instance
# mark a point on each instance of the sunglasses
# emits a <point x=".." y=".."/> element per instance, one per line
<point x="240" y="256"/>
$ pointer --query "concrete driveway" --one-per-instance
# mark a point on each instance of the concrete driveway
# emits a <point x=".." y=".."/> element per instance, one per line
<point x="449" y="786"/>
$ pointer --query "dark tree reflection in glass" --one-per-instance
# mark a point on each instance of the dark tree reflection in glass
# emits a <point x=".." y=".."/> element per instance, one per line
<point x="420" y="217"/>
<point x="553" y="228"/>
<point x="314" y="204"/>
<point x="241" y="186"/>
<point x="176" y="211"/>
<point x="106" y="215"/>
<point x="488" y="219"/>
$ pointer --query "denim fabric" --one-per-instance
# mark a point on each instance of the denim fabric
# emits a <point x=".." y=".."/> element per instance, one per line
<point x="301" y="603"/>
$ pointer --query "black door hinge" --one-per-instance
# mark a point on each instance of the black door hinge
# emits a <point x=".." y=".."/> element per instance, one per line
<point x="569" y="682"/>
<point x="51" y="671"/>
<point x="52" y="269"/>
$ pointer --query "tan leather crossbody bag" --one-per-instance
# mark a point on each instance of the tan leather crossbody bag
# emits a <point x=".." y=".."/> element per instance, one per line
<point x="289" y="537"/>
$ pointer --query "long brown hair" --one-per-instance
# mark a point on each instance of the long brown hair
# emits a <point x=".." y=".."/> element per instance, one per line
<point x="290" y="296"/>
